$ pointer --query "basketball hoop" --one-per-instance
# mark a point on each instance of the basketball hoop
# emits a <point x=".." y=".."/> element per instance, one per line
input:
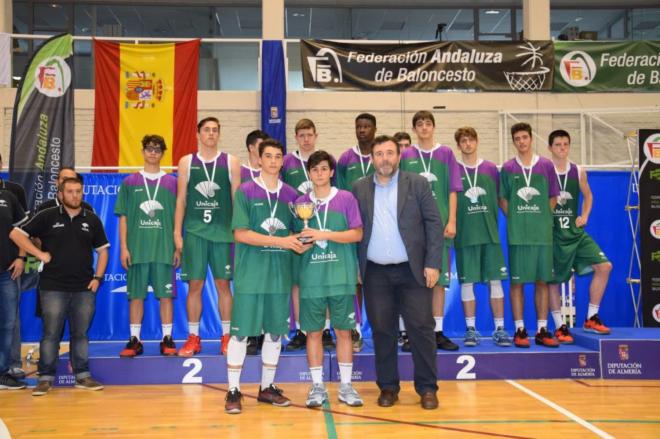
<point x="527" y="81"/>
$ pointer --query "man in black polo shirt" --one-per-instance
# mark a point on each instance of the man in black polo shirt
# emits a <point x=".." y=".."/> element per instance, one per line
<point x="68" y="282"/>
<point x="11" y="267"/>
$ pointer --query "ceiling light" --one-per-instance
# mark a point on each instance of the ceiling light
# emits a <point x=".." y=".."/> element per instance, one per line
<point x="492" y="12"/>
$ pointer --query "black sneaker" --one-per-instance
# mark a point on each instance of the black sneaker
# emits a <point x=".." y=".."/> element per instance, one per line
<point x="167" y="346"/>
<point x="233" y="404"/>
<point x="444" y="343"/>
<point x="545" y="338"/>
<point x="404" y="341"/>
<point x="273" y="395"/>
<point x="298" y="342"/>
<point x="8" y="382"/>
<point x="327" y="341"/>
<point x="133" y="348"/>
<point x="252" y="347"/>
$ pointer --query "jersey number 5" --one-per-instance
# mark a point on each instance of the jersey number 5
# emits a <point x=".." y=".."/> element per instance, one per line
<point x="207" y="216"/>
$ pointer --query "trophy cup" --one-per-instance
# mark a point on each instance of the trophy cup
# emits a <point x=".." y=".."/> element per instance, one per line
<point x="304" y="210"/>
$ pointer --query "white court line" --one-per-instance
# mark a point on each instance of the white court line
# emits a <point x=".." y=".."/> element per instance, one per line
<point x="597" y="431"/>
<point x="4" y="432"/>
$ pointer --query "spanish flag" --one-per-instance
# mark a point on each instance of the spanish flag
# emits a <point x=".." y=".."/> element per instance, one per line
<point x="144" y="89"/>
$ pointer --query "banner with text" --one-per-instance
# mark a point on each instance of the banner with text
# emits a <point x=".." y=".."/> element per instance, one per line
<point x="607" y="66"/>
<point x="476" y="65"/>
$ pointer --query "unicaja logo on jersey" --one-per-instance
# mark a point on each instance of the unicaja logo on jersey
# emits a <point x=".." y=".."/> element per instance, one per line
<point x="577" y="68"/>
<point x="527" y="193"/>
<point x="474" y="193"/>
<point x="322" y="64"/>
<point x="150" y="207"/>
<point x="207" y="188"/>
<point x="564" y="197"/>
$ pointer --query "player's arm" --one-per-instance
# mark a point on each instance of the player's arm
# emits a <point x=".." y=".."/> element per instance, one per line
<point x="250" y="237"/>
<point x="450" y="228"/>
<point x="587" y="200"/>
<point x="553" y="203"/>
<point x="344" y="237"/>
<point x="235" y="172"/>
<point x="125" y="255"/>
<point x="181" y="193"/>
<point x="504" y="205"/>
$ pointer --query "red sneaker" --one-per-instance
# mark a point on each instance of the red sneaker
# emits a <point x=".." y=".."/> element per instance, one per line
<point x="167" y="346"/>
<point x="224" y="344"/>
<point x="596" y="326"/>
<point x="563" y="335"/>
<point x="520" y="338"/>
<point x="544" y="338"/>
<point x="192" y="346"/>
<point x="133" y="348"/>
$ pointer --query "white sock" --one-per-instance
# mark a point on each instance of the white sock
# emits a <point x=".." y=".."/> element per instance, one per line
<point x="541" y="324"/>
<point x="135" y="331"/>
<point x="499" y="322"/>
<point x="402" y="325"/>
<point x="556" y="316"/>
<point x="267" y="376"/>
<point x="236" y="352"/>
<point x="593" y="309"/>
<point x="327" y="324"/>
<point x="520" y="324"/>
<point x="317" y="374"/>
<point x="234" y="378"/>
<point x="167" y="330"/>
<point x="193" y="328"/>
<point x="345" y="372"/>
<point x="470" y="322"/>
<point x="225" y="326"/>
<point x="438" y="323"/>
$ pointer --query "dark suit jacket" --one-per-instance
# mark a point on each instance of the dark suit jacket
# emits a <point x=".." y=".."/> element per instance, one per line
<point x="418" y="217"/>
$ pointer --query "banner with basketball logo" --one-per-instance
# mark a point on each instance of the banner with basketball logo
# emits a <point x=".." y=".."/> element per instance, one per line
<point x="590" y="66"/>
<point x="649" y="224"/>
<point x="144" y="89"/>
<point x="520" y="66"/>
<point x="42" y="127"/>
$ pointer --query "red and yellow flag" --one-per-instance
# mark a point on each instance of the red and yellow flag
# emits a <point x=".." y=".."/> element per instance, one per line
<point x="144" y="89"/>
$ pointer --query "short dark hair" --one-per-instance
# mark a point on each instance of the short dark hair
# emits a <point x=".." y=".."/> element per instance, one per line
<point x="154" y="139"/>
<point x="367" y="116"/>
<point x="383" y="139"/>
<point x="402" y="135"/>
<point x="253" y="136"/>
<point x="69" y="180"/>
<point x="72" y="169"/>
<point x="421" y="115"/>
<point x="273" y="143"/>
<point x="317" y="157"/>
<point x="205" y="120"/>
<point x="304" y="124"/>
<point x="465" y="132"/>
<point x="521" y="126"/>
<point x="558" y="133"/>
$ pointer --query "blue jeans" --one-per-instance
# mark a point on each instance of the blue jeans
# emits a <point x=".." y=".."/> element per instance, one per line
<point x="8" y="307"/>
<point x="57" y="306"/>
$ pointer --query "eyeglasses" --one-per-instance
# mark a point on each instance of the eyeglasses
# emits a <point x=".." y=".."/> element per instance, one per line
<point x="155" y="149"/>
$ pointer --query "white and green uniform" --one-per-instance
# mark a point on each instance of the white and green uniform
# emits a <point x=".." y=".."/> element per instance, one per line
<point x="262" y="280"/>
<point x="528" y="191"/>
<point x="479" y="255"/>
<point x="328" y="273"/>
<point x="207" y="221"/>
<point x="148" y="203"/>
<point x="573" y="248"/>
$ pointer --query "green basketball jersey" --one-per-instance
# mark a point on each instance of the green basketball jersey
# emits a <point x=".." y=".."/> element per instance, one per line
<point x="528" y="192"/>
<point x="262" y="270"/>
<point x="440" y="168"/>
<point x="477" y="208"/>
<point x="352" y="166"/>
<point x="149" y="211"/>
<point x="330" y="268"/>
<point x="208" y="199"/>
<point x="294" y="173"/>
<point x="566" y="210"/>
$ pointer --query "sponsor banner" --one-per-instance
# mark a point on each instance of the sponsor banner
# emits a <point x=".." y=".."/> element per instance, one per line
<point x="649" y="224"/>
<point x="476" y="65"/>
<point x="5" y="53"/>
<point x="42" y="125"/>
<point x="273" y="90"/>
<point x="144" y="89"/>
<point x="630" y="359"/>
<point x="607" y="66"/>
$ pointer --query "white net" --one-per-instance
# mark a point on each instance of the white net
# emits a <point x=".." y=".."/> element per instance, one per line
<point x="526" y="81"/>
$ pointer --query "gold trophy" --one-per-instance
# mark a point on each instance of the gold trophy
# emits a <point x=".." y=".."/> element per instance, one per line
<point x="304" y="210"/>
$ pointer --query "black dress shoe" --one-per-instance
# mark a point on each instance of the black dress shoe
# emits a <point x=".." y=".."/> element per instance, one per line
<point x="429" y="401"/>
<point x="444" y="343"/>
<point x="387" y="398"/>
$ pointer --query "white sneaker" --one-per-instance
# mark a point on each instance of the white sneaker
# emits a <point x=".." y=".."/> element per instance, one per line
<point x="317" y="396"/>
<point x="349" y="396"/>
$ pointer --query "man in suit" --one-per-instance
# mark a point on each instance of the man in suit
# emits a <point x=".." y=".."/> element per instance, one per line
<point x="400" y="261"/>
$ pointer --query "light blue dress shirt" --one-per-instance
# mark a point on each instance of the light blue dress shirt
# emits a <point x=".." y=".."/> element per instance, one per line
<point x="386" y="246"/>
